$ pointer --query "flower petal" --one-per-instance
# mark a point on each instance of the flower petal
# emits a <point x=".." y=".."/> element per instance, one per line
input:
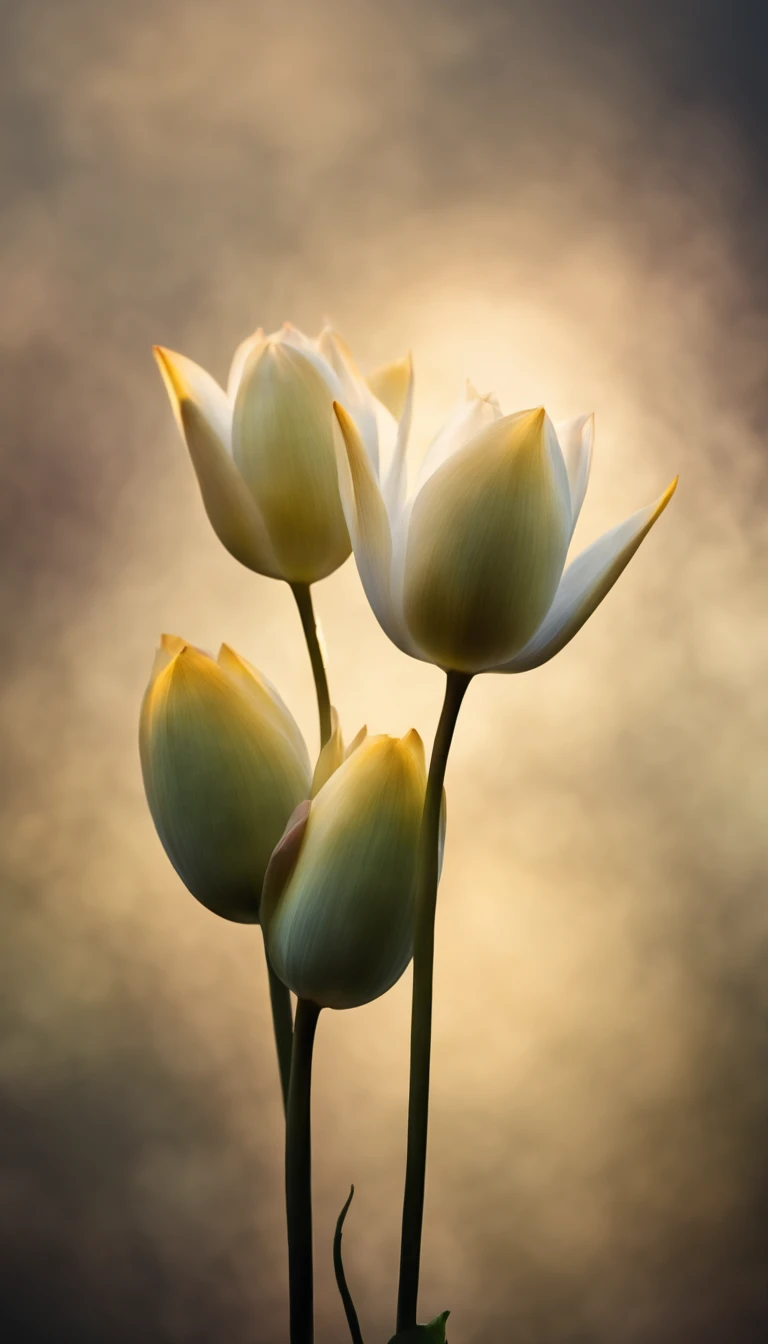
<point x="239" y="360"/>
<point x="390" y="384"/>
<point x="368" y="524"/>
<point x="267" y="701"/>
<point x="204" y="416"/>
<point x="282" y="443"/>
<point x="465" y="422"/>
<point x="576" y="438"/>
<point x="394" y="489"/>
<point x="487" y="542"/>
<point x="356" y="397"/>
<point x="585" y="583"/>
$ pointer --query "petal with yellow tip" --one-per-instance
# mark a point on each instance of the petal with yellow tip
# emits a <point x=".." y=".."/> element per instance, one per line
<point x="331" y="756"/>
<point x="204" y="416"/>
<point x="585" y="583"/>
<point x="221" y="774"/>
<point x="390" y="384"/>
<point x="486" y="545"/>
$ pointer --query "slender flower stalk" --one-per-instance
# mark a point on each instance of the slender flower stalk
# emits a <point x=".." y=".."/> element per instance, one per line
<point x="421" y="1012"/>
<point x="298" y="1176"/>
<point x="303" y="595"/>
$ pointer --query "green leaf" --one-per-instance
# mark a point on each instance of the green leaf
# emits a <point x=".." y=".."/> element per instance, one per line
<point x="434" y="1333"/>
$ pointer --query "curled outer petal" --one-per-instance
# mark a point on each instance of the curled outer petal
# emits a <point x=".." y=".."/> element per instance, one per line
<point x="576" y="438"/>
<point x="486" y="545"/>
<point x="369" y="526"/>
<point x="338" y="916"/>
<point x="204" y="416"/>
<point x="586" y="581"/>
<point x="282" y="443"/>
<point x="223" y="770"/>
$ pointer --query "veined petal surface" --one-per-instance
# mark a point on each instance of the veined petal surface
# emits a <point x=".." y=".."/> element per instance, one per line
<point x="282" y="444"/>
<point x="204" y="415"/>
<point x="487" y="542"/>
<point x="585" y="583"/>
<point x="465" y="422"/>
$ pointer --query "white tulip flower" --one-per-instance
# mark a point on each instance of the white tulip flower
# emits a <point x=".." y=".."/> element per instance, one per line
<point x="469" y="572"/>
<point x="263" y="449"/>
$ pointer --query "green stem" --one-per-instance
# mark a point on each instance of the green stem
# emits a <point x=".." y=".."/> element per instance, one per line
<point x="282" y="1025"/>
<point x="303" y="594"/>
<point x="298" y="1176"/>
<point x="421" y="1011"/>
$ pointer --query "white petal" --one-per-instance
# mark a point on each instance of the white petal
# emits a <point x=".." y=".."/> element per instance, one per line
<point x="466" y="421"/>
<point x="239" y="359"/>
<point x="585" y="583"/>
<point x="368" y="524"/>
<point x="394" y="488"/>
<point x="204" y="415"/>
<point x="576" y="438"/>
<point x="282" y="444"/>
<point x="356" y="397"/>
<point x="390" y="383"/>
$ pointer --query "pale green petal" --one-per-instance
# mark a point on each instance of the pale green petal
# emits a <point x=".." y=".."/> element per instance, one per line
<point x="390" y="384"/>
<point x="576" y="438"/>
<point x="221" y="781"/>
<point x="341" y="931"/>
<point x="486" y="546"/>
<point x="585" y="583"/>
<point x="283" y="445"/>
<point x="267" y="701"/>
<point x="204" y="416"/>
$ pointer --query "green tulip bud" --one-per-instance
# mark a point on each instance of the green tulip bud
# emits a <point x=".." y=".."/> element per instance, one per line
<point x="338" y="902"/>
<point x="224" y="766"/>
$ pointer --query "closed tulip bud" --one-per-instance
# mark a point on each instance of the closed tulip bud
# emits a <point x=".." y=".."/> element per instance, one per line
<point x="338" y="903"/>
<point x="263" y="450"/>
<point x="469" y="572"/>
<point x="224" y="766"/>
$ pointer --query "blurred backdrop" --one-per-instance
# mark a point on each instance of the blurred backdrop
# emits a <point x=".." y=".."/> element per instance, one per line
<point x="566" y="202"/>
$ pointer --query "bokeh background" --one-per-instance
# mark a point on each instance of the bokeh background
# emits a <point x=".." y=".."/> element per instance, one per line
<point x="566" y="202"/>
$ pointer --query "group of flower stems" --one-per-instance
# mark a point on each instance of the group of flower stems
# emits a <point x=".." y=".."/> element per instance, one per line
<point x="295" y="1054"/>
<point x="300" y="461"/>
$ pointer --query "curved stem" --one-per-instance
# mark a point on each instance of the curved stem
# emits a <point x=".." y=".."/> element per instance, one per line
<point x="282" y="1025"/>
<point x="298" y="1176"/>
<point x="303" y="594"/>
<point x="421" y="1011"/>
<point x="341" y="1278"/>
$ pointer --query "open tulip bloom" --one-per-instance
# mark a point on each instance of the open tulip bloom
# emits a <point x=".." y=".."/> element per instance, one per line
<point x="341" y="865"/>
<point x="469" y="573"/>
<point x="264" y="456"/>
